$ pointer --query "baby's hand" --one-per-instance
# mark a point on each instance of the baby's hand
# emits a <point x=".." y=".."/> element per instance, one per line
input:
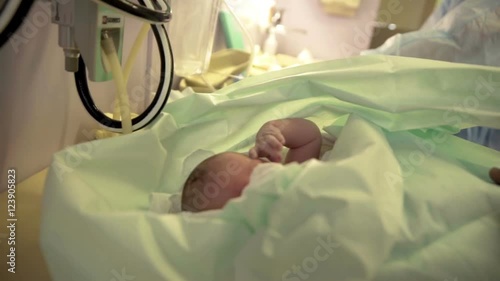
<point x="268" y="143"/>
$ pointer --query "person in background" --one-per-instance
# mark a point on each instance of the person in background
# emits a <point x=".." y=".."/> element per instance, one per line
<point x="461" y="31"/>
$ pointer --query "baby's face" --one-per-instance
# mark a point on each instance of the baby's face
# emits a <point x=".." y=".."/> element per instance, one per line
<point x="231" y="174"/>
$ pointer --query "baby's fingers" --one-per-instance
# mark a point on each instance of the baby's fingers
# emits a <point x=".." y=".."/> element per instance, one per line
<point x="253" y="153"/>
<point x="280" y="138"/>
<point x="267" y="149"/>
<point x="275" y="157"/>
<point x="270" y="151"/>
<point x="273" y="142"/>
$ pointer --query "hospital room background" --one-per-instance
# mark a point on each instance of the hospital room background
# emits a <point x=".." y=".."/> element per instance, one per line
<point x="42" y="112"/>
<point x="58" y="120"/>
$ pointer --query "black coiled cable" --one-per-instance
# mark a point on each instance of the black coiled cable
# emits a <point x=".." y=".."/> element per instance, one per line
<point x="160" y="97"/>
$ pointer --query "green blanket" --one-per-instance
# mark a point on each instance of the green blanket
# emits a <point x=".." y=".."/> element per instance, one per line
<point x="398" y="198"/>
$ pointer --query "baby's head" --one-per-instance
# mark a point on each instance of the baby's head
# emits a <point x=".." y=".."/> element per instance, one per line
<point x="216" y="180"/>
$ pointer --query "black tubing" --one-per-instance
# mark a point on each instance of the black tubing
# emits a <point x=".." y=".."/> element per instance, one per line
<point x="98" y="115"/>
<point x="140" y="11"/>
<point x="16" y="20"/>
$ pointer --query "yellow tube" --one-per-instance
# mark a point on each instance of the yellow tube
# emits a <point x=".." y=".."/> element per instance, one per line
<point x="109" y="49"/>
<point x="141" y="37"/>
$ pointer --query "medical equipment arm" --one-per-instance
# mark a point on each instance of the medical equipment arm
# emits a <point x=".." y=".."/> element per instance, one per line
<point x="81" y="28"/>
<point x="159" y="100"/>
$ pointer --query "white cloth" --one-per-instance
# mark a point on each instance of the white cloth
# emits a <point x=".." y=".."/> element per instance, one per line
<point x="165" y="203"/>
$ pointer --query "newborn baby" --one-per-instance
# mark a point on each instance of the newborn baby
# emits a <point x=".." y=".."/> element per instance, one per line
<point x="224" y="176"/>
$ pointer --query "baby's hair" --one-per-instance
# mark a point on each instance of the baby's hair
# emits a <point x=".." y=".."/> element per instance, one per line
<point x="196" y="180"/>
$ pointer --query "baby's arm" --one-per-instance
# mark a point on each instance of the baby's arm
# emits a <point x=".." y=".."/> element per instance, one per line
<point x="301" y="136"/>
